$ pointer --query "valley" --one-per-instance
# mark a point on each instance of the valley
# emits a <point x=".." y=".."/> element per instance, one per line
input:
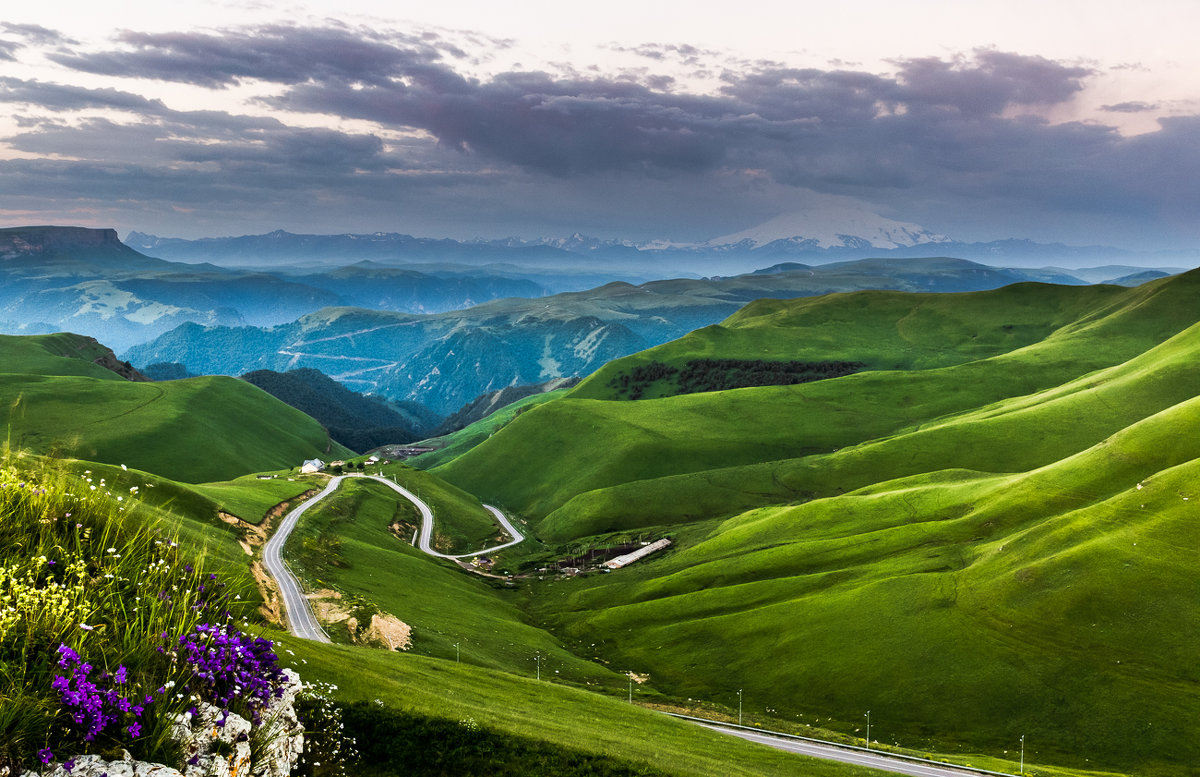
<point x="990" y="518"/>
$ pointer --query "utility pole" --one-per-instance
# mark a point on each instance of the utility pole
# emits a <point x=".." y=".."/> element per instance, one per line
<point x="631" y="687"/>
<point x="739" y="706"/>
<point x="456" y="654"/>
<point x="868" y="729"/>
<point x="1022" y="770"/>
<point x="538" y="658"/>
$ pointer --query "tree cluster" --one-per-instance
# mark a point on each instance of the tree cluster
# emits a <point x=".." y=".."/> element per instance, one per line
<point x="723" y="374"/>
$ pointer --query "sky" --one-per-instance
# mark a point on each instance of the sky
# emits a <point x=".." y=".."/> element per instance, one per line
<point x="1053" y="120"/>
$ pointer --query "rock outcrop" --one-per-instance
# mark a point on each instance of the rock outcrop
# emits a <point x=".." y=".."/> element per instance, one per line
<point x="216" y="744"/>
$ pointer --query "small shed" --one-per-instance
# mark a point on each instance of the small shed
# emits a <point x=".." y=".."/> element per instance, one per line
<point x="312" y="465"/>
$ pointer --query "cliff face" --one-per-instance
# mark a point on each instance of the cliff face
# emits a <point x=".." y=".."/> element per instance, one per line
<point x="31" y="241"/>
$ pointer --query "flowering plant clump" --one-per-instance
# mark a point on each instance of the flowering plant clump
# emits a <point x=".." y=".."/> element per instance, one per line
<point x="229" y="667"/>
<point x="96" y="703"/>
<point x="31" y="592"/>
<point x="87" y="585"/>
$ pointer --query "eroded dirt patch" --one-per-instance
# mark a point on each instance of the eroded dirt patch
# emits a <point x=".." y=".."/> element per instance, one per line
<point x="251" y="538"/>
<point x="383" y="630"/>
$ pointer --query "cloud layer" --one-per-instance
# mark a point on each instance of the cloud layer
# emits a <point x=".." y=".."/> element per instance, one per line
<point x="356" y="124"/>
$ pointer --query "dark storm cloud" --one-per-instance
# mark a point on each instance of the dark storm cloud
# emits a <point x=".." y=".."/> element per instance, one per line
<point x="60" y="97"/>
<point x="839" y="123"/>
<point x="970" y="129"/>
<point x="250" y="147"/>
<point x="532" y="120"/>
<point x="275" y="53"/>
<point x="805" y="126"/>
<point x="990" y="83"/>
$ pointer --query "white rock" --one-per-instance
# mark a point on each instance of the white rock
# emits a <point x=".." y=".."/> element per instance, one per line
<point x="200" y="735"/>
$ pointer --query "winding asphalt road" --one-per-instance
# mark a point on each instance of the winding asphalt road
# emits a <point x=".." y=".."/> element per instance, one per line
<point x="856" y="756"/>
<point x="425" y="537"/>
<point x="295" y="606"/>
<point x="299" y="612"/>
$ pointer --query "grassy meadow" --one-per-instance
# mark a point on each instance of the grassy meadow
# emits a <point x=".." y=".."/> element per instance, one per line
<point x="194" y="430"/>
<point x="990" y="532"/>
<point x="344" y="543"/>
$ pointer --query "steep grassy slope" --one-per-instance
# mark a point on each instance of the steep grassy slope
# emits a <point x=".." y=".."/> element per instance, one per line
<point x="451" y="445"/>
<point x="952" y="604"/>
<point x="192" y="430"/>
<point x="992" y="535"/>
<point x="1011" y="435"/>
<point x="952" y="354"/>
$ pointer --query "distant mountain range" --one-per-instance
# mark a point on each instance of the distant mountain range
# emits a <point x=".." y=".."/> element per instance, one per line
<point x="85" y="280"/>
<point x="422" y="335"/>
<point x="818" y="236"/>
<point x="446" y="360"/>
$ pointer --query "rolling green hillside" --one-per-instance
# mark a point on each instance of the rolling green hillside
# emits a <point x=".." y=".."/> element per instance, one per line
<point x="990" y="531"/>
<point x="950" y="354"/>
<point x="192" y="430"/>
<point x="952" y="604"/>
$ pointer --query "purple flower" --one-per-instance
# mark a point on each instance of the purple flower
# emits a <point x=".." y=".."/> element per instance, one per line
<point x="89" y="703"/>
<point x="134" y="729"/>
<point x="67" y="657"/>
<point x="229" y="666"/>
<point x="69" y="765"/>
<point x="45" y="756"/>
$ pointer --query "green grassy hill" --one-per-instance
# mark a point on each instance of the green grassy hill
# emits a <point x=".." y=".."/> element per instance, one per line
<point x="989" y="532"/>
<point x="953" y="604"/>
<point x="193" y="430"/>
<point x="586" y="442"/>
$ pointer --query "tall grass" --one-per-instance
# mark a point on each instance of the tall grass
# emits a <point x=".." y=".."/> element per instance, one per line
<point x="97" y="609"/>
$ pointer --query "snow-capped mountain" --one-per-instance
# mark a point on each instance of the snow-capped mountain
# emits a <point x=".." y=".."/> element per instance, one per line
<point x="831" y="227"/>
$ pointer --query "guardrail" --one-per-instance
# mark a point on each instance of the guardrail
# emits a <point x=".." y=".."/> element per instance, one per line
<point x="843" y="746"/>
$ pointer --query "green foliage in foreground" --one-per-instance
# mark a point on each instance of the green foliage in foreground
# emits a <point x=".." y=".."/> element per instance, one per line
<point x="81" y="567"/>
<point x="407" y="745"/>
<point x="514" y="710"/>
<point x="193" y="430"/>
